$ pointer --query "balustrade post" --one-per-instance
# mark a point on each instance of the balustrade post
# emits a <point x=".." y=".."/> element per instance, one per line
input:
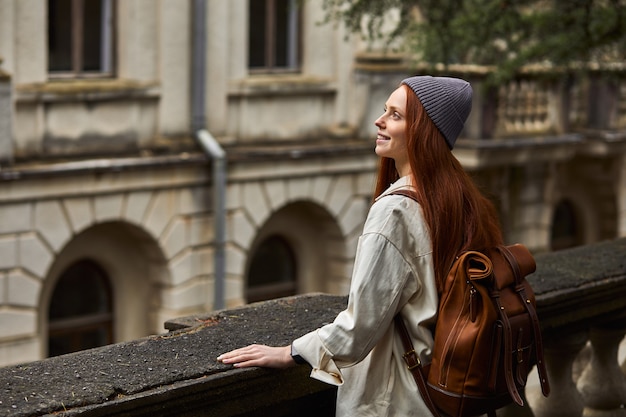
<point x="602" y="384"/>
<point x="560" y="351"/>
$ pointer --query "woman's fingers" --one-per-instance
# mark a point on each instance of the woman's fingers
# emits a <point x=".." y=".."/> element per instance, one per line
<point x="242" y="356"/>
<point x="258" y="355"/>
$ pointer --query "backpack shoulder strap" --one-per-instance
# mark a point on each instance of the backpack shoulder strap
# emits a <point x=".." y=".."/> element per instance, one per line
<point x="414" y="364"/>
<point x="407" y="193"/>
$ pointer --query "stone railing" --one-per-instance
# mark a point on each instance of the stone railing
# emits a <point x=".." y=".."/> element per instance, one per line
<point x="582" y="306"/>
<point x="543" y="112"/>
<point x="541" y="102"/>
<point x="581" y="298"/>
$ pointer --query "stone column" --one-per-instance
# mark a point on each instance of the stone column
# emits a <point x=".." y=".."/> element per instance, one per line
<point x="602" y="384"/>
<point x="560" y="352"/>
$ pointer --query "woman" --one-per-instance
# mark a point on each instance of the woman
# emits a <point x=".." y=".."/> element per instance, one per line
<point x="402" y="257"/>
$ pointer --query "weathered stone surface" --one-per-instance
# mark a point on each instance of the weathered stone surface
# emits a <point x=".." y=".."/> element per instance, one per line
<point x="576" y="284"/>
<point x="177" y="373"/>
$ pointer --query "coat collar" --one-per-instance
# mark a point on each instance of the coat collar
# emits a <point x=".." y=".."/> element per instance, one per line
<point x="401" y="183"/>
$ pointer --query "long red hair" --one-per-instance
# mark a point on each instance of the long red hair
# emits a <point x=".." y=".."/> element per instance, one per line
<point x="459" y="217"/>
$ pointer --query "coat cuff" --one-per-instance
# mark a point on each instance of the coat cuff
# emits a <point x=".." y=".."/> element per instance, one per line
<point x="313" y="351"/>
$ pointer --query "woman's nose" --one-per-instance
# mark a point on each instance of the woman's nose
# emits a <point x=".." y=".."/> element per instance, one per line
<point x="379" y="122"/>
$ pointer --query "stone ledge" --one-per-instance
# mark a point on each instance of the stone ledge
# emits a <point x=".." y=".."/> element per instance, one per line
<point x="86" y="90"/>
<point x="177" y="373"/>
<point x="577" y="285"/>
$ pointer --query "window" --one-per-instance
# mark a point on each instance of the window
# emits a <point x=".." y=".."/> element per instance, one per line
<point x="80" y="38"/>
<point x="80" y="314"/>
<point x="565" y="227"/>
<point x="272" y="271"/>
<point x="274" y="37"/>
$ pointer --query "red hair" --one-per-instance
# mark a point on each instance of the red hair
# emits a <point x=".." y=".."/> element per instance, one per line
<point x="459" y="217"/>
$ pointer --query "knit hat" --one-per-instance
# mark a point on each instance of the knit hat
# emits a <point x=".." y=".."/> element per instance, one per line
<point x="447" y="101"/>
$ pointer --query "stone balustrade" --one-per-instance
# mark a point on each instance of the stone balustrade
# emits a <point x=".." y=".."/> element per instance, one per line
<point x="536" y="103"/>
<point x="581" y="300"/>
<point x="540" y="101"/>
<point x="582" y="306"/>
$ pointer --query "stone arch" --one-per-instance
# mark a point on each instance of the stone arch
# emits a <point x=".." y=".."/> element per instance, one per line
<point x="583" y="209"/>
<point x="566" y="226"/>
<point x="583" y="181"/>
<point x="135" y="265"/>
<point x="316" y="241"/>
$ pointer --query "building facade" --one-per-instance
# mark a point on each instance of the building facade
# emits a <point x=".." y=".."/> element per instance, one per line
<point x="115" y="115"/>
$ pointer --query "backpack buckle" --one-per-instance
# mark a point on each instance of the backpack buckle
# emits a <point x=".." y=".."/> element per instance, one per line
<point x="411" y="359"/>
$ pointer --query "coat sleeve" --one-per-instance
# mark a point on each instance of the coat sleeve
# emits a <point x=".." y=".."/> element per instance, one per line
<point x="382" y="281"/>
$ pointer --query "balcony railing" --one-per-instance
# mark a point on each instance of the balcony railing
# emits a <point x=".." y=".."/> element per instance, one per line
<point x="539" y="101"/>
<point x="581" y="296"/>
<point x="543" y="102"/>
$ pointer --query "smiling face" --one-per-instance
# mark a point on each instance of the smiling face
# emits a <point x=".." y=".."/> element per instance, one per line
<point x="391" y="139"/>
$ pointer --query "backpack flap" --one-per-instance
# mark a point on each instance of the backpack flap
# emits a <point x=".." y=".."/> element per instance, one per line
<point x="505" y="276"/>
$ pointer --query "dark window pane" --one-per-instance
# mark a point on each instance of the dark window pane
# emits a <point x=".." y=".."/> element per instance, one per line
<point x="61" y="343"/>
<point x="272" y="271"/>
<point x="58" y="345"/>
<point x="59" y="35"/>
<point x="273" y="34"/>
<point x="281" y="38"/>
<point x="565" y="229"/>
<point x="257" y="36"/>
<point x="83" y="289"/>
<point x="92" y="39"/>
<point x="80" y="313"/>
<point x="94" y="338"/>
<point x="80" y="37"/>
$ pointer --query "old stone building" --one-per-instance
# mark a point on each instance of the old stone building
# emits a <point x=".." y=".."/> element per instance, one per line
<point x="165" y="158"/>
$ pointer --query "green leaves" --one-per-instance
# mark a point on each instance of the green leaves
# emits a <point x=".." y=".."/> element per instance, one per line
<point x="506" y="34"/>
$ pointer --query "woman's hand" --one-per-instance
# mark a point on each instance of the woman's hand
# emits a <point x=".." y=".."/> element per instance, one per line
<point x="259" y="355"/>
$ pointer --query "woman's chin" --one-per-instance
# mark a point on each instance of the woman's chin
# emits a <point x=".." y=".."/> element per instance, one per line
<point x="380" y="150"/>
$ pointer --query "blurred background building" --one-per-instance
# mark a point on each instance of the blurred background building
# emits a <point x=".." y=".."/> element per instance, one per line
<point x="163" y="158"/>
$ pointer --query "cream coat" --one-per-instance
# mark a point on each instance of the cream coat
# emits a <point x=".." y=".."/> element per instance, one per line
<point x="360" y="351"/>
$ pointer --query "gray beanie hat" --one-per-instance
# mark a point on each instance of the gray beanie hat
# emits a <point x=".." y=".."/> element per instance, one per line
<point x="448" y="102"/>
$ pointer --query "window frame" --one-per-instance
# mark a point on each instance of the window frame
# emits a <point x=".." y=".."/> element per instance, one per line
<point x="276" y="288"/>
<point x="107" y="42"/>
<point x="293" y="31"/>
<point x="74" y="326"/>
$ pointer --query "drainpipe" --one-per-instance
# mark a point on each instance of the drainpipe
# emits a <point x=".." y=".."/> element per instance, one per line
<point x="210" y="146"/>
<point x="213" y="149"/>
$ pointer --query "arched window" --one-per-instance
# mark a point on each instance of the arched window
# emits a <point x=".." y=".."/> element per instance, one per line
<point x="80" y="314"/>
<point x="566" y="231"/>
<point x="272" y="272"/>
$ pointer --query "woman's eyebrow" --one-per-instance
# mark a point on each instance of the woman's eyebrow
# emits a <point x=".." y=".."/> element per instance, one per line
<point x="394" y="108"/>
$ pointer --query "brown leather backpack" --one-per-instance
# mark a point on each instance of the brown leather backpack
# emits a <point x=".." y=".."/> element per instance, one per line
<point x="487" y="335"/>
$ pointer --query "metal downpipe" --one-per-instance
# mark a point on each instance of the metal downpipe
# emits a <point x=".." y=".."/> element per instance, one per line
<point x="213" y="149"/>
<point x="210" y="146"/>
